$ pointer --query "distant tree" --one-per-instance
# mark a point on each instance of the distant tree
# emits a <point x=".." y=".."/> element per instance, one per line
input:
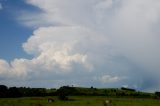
<point x="3" y="91"/>
<point x="65" y="91"/>
<point x="3" y="88"/>
<point x="157" y="94"/>
<point x="14" y="92"/>
<point x="68" y="91"/>
<point x="62" y="96"/>
<point x="128" y="89"/>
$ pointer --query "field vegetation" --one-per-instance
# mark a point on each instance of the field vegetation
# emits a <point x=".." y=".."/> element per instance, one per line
<point x="76" y="96"/>
<point x="78" y="101"/>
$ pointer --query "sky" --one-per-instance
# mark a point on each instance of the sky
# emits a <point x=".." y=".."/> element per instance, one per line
<point x="99" y="43"/>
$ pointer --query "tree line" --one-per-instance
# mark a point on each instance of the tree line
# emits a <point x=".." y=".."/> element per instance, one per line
<point x="63" y="92"/>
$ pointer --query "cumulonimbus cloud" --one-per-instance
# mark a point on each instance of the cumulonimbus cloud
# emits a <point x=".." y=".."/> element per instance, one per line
<point x="94" y="35"/>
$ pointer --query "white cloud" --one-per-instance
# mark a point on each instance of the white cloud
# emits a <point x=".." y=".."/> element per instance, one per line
<point x="57" y="45"/>
<point x="17" y="68"/>
<point x="120" y="37"/>
<point x="68" y="12"/>
<point x="1" y="7"/>
<point x="109" y="79"/>
<point x="53" y="49"/>
<point x="3" y="66"/>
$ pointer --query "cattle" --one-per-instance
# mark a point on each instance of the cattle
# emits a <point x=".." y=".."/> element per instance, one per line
<point x="50" y="100"/>
<point x="106" y="102"/>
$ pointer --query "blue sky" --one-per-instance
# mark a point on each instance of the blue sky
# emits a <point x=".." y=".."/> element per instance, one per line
<point x="13" y="34"/>
<point x="101" y="43"/>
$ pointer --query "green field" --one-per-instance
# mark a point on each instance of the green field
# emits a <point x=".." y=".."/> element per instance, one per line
<point x="78" y="101"/>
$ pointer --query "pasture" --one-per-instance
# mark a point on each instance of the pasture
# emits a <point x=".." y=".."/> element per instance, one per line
<point x="78" y="101"/>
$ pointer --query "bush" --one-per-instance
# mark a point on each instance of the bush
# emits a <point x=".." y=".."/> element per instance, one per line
<point x="62" y="96"/>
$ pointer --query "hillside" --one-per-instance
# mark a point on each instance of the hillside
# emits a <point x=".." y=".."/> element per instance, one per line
<point x="6" y="92"/>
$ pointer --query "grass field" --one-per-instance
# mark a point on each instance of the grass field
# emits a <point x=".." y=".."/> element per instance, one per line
<point x="78" y="101"/>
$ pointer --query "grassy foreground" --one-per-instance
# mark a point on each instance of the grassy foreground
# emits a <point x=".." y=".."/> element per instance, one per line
<point x="78" y="101"/>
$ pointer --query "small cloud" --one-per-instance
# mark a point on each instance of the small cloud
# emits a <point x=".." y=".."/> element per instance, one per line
<point x="125" y="86"/>
<point x="109" y="79"/>
<point x="1" y="7"/>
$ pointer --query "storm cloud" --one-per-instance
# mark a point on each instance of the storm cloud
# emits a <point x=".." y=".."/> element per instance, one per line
<point x="104" y="43"/>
